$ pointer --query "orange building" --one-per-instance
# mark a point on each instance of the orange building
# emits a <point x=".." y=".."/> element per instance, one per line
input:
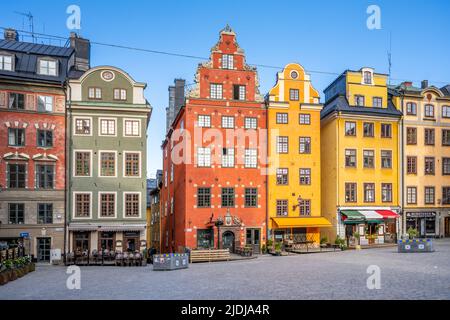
<point x="214" y="183"/>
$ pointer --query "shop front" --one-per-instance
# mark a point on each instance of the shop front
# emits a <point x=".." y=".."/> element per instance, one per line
<point x="298" y="230"/>
<point x="374" y="227"/>
<point x="425" y="222"/>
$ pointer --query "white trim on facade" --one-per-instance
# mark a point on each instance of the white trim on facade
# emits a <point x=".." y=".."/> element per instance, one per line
<point x="99" y="204"/>
<point x="74" y="125"/>
<point x="99" y="124"/>
<point x="74" y="193"/>
<point x="124" y="204"/>
<point x="124" y="152"/>
<point x="74" y="161"/>
<point x="99" y="163"/>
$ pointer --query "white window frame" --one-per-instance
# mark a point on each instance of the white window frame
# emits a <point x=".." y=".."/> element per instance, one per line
<point x="226" y="120"/>
<point x="228" y="159"/>
<point x="75" y="118"/>
<point x="40" y="68"/>
<point x="216" y="91"/>
<point x="122" y="94"/>
<point x="2" y="62"/>
<point x="96" y="93"/>
<point x="201" y="152"/>
<point x="124" y="127"/>
<point x="249" y="157"/>
<point x="228" y="61"/>
<point x="125" y="152"/>
<point x="204" y="121"/>
<point x="171" y="171"/>
<point x="100" y="204"/>
<point x="125" y="205"/>
<point x="251" y="123"/>
<point x="100" y="127"/>
<point x="46" y="103"/>
<point x="74" y="205"/>
<point x="74" y="169"/>
<point x="100" y="163"/>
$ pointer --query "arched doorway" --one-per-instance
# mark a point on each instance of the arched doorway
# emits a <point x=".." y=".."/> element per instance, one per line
<point x="228" y="240"/>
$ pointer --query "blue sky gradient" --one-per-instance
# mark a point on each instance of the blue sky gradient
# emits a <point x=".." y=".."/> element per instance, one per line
<point x="327" y="35"/>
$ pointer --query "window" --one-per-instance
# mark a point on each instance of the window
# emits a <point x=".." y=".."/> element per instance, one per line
<point x="45" y="213"/>
<point x="411" y="136"/>
<point x="45" y="104"/>
<point x="120" y="94"/>
<point x="350" y="128"/>
<point x="6" y="62"/>
<point x="204" y="197"/>
<point x="377" y="102"/>
<point x="204" y="121"/>
<point x="350" y="158"/>
<point x="386" y="159"/>
<point x="411" y="195"/>
<point x="16" y="137"/>
<point x="171" y="172"/>
<point x="282" y="118"/>
<point x="48" y="67"/>
<point x="251" y="197"/>
<point x="445" y="195"/>
<point x="227" y="197"/>
<point x="282" y="144"/>
<point x="215" y="91"/>
<point x="446" y="166"/>
<point x="107" y="205"/>
<point x="304" y="118"/>
<point x="227" y="61"/>
<point x="203" y="157"/>
<point x="108" y="164"/>
<point x="445" y="137"/>
<point x="82" y="126"/>
<point x="293" y="94"/>
<point x="132" y="128"/>
<point x="132" y="164"/>
<point x="386" y="192"/>
<point x="95" y="93"/>
<point x="350" y="192"/>
<point x="429" y="111"/>
<point x="429" y="165"/>
<point x="251" y="160"/>
<point x="305" y="176"/>
<point x="45" y="176"/>
<point x="429" y="195"/>
<point x="82" y="205"/>
<point x="368" y="128"/>
<point x="411" y="164"/>
<point x="227" y="157"/>
<point x="369" y="192"/>
<point x="107" y="127"/>
<point x="16" y="101"/>
<point x="359" y="101"/>
<point x="305" y="207"/>
<point x="131" y="205"/>
<point x="367" y="77"/>
<point x="282" y="207"/>
<point x="44" y="138"/>
<point x="238" y="92"/>
<point x="282" y="176"/>
<point x="386" y="130"/>
<point x="369" y="158"/>
<point x="16" y="175"/>
<point x="227" y="122"/>
<point x="445" y="111"/>
<point x="16" y="213"/>
<point x="411" y="108"/>
<point x="205" y="238"/>
<point x="305" y="144"/>
<point x="429" y="137"/>
<point x="250" y="123"/>
<point x="82" y="163"/>
<point x="172" y="207"/>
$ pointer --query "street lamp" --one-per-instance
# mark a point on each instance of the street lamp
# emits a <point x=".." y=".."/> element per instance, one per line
<point x="218" y="223"/>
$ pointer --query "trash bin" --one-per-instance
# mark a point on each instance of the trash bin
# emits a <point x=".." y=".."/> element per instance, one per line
<point x="415" y="245"/>
<point x="170" y="261"/>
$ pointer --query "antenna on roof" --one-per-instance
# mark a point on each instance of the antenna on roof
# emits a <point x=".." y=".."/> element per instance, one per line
<point x="30" y="23"/>
<point x="390" y="55"/>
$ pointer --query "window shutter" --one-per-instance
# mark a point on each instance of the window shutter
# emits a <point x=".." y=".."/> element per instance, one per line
<point x="30" y="102"/>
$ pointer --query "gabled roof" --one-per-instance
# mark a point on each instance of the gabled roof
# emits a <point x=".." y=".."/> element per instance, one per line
<point x="34" y="48"/>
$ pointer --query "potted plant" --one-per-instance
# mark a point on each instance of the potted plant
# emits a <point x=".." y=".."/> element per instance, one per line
<point x="278" y="248"/>
<point x="412" y="233"/>
<point x="341" y="243"/>
<point x="4" y="276"/>
<point x="263" y="249"/>
<point x="323" y="242"/>
<point x="357" y="237"/>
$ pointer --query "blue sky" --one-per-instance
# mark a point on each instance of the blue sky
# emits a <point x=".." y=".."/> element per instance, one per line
<point x="324" y="35"/>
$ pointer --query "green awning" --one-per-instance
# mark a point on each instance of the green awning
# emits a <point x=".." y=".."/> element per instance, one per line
<point x="353" y="217"/>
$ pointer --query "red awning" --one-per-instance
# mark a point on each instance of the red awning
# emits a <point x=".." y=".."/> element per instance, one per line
<point x="388" y="214"/>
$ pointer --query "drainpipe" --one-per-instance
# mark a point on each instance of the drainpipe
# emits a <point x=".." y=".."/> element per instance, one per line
<point x="64" y="85"/>
<point x="402" y="161"/>
<point x="67" y="142"/>
<point x="267" y="175"/>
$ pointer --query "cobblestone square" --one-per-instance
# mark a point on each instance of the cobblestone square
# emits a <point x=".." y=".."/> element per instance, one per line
<point x="334" y="275"/>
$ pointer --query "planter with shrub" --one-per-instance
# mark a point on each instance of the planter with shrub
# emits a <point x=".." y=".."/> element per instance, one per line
<point x="12" y="269"/>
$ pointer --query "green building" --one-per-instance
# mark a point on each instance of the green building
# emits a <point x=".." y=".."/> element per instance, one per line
<point x="107" y="117"/>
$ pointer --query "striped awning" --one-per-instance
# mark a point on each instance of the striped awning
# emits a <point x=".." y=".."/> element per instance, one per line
<point x="388" y="214"/>
<point x="107" y="227"/>
<point x="371" y="216"/>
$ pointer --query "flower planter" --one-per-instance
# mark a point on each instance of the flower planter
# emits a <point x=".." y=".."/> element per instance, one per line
<point x="4" y="278"/>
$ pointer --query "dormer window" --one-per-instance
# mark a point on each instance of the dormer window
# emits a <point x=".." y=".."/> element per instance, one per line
<point x="48" y="67"/>
<point x="120" y="94"/>
<point x="94" y="93"/>
<point x="6" y="62"/>
<point x="227" y="61"/>
<point x="367" y="77"/>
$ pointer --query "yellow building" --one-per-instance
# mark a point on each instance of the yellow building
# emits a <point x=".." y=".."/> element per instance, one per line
<point x="360" y="158"/>
<point x="426" y="157"/>
<point x="294" y="179"/>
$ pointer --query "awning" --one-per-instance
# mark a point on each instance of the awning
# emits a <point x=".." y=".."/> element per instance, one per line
<point x="352" y="217"/>
<point x="372" y="216"/>
<point x="388" y="214"/>
<point x="301" y="222"/>
<point x="106" y="227"/>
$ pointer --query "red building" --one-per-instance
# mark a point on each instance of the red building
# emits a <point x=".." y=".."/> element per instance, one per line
<point x="214" y="183"/>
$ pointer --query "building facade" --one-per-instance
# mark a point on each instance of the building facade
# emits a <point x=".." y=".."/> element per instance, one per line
<point x="425" y="137"/>
<point x="32" y="148"/>
<point x="107" y="116"/>
<point x="176" y="100"/>
<point x="214" y="171"/>
<point x="294" y="181"/>
<point x="153" y="212"/>
<point x="360" y="158"/>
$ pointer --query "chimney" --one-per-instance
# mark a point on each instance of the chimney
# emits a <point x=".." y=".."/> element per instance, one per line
<point x="424" y="84"/>
<point x="82" y="51"/>
<point x="407" y="84"/>
<point x="11" y="34"/>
